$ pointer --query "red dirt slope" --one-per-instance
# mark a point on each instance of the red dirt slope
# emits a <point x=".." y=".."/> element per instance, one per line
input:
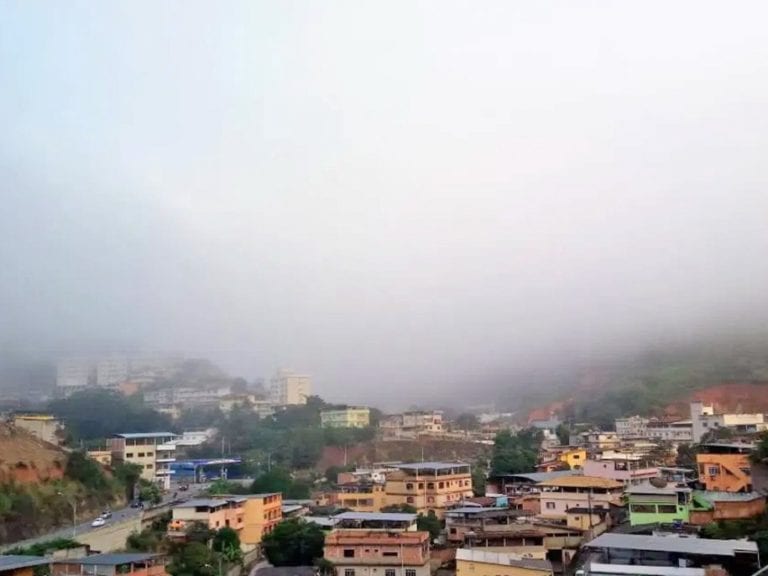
<point x="26" y="459"/>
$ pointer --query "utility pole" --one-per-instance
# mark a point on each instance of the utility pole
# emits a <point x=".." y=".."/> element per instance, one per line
<point x="73" y="504"/>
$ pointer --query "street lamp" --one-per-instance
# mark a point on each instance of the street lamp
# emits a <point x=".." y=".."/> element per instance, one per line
<point x="73" y="504"/>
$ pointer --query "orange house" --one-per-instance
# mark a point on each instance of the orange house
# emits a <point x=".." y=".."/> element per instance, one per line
<point x="725" y="467"/>
<point x="214" y="513"/>
<point x="262" y="512"/>
<point x="361" y="552"/>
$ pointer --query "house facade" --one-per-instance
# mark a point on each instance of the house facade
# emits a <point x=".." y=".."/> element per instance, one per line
<point x="429" y="486"/>
<point x="364" y="552"/>
<point x="559" y="495"/>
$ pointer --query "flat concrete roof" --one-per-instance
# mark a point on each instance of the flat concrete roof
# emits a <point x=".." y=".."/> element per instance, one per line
<point x="377" y="516"/>
<point x="701" y="546"/>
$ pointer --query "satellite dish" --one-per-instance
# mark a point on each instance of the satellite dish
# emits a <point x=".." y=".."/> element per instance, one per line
<point x="658" y="482"/>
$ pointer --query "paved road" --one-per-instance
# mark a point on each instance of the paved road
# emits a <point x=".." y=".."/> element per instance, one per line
<point x="117" y="515"/>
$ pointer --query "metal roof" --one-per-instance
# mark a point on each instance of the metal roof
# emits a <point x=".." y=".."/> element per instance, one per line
<point x="542" y="476"/>
<point x="201" y="502"/>
<point x="673" y="544"/>
<point x="377" y="516"/>
<point x="16" y="561"/>
<point x="651" y="489"/>
<point x="716" y="496"/>
<point x="582" y="482"/>
<point x="431" y="465"/>
<point x="146" y="435"/>
<point x="478" y="510"/>
<point x="323" y="521"/>
<point x="501" y="559"/>
<point x="110" y="559"/>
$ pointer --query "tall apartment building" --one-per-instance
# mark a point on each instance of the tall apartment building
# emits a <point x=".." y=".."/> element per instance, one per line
<point x="290" y="388"/>
<point x="152" y="451"/>
<point x="429" y="486"/>
<point x="112" y="371"/>
<point x="631" y="427"/>
<point x="74" y="373"/>
<point x="350" y="417"/>
<point x="366" y="552"/>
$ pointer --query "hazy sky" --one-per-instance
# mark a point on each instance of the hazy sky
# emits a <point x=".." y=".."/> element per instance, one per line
<point x="397" y="197"/>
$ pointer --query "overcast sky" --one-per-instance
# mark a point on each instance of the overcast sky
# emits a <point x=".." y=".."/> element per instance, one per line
<point x="399" y="198"/>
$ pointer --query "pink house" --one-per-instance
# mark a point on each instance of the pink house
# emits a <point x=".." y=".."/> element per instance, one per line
<point x="625" y="471"/>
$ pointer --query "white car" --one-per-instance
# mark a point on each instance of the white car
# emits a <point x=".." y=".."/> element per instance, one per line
<point x="98" y="522"/>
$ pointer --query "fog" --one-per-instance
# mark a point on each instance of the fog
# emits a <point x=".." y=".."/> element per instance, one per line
<point x="407" y="200"/>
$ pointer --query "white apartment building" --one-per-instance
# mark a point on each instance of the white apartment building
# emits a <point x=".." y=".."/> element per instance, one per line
<point x="704" y="419"/>
<point x="112" y="371"/>
<point x="288" y="388"/>
<point x="152" y="451"/>
<point x="74" y="373"/>
<point x="676" y="432"/>
<point x="631" y="427"/>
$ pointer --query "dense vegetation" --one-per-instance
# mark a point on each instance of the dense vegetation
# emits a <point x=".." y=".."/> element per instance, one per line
<point x="99" y="414"/>
<point x="515" y="453"/>
<point x="294" y="543"/>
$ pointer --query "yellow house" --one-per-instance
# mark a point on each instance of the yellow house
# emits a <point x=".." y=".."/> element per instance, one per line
<point x="261" y="513"/>
<point x="478" y="562"/>
<point x="359" y="497"/>
<point x="429" y="486"/>
<point x="350" y="417"/>
<point x="574" y="457"/>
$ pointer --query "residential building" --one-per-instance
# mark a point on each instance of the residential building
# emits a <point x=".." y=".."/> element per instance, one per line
<point x="602" y="440"/>
<point x="127" y="564"/>
<point x="555" y="458"/>
<point x="289" y="388"/>
<point x="16" y="565"/>
<point x="152" y="451"/>
<point x="626" y="470"/>
<point x="262" y="512"/>
<point x="74" y="373"/>
<point x="678" y="431"/>
<point x="560" y="494"/>
<point x="429" y="486"/>
<point x="630" y="554"/>
<point x="214" y="513"/>
<point x="359" y="552"/>
<point x="519" y="484"/>
<point x="476" y="562"/>
<point x="631" y="427"/>
<point x="650" y="504"/>
<point x="423" y="422"/>
<point x="704" y="420"/>
<point x="461" y="521"/>
<point x="387" y="521"/>
<point x="714" y="506"/>
<point x="186" y="396"/>
<point x="194" y="437"/>
<point x="349" y="417"/>
<point x="358" y="496"/>
<point x="725" y="467"/>
<point x="112" y="371"/>
<point x="44" y="426"/>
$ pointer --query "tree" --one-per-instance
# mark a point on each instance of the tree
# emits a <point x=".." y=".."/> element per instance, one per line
<point x="563" y="434"/>
<point x="429" y="523"/>
<point x="760" y="453"/>
<point x="227" y="543"/>
<point x="150" y="492"/>
<point x="279" y="480"/>
<point x="479" y="479"/>
<point x="194" y="559"/>
<point x="686" y="456"/>
<point x="294" y="543"/>
<point x="85" y="470"/>
<point x="515" y="453"/>
<point x="128" y="475"/>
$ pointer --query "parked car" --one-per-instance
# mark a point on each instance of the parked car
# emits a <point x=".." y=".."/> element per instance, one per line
<point x="98" y="522"/>
<point x="137" y="504"/>
<point x="184" y="487"/>
<point x="106" y="514"/>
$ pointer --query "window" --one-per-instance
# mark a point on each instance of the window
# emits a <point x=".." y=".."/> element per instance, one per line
<point x="409" y="499"/>
<point x="421" y="485"/>
<point x="389" y="572"/>
<point x="226" y="523"/>
<point x="430" y="500"/>
<point x="441" y="485"/>
<point x="576" y="456"/>
<point x="410" y="572"/>
<point x="389" y="554"/>
<point x="349" y="552"/>
<point x="349" y="572"/>
<point x="667" y="509"/>
<point x="550" y="505"/>
<point x="714" y="470"/>
<point x="409" y="486"/>
<point x="148" y="466"/>
<point x="430" y="485"/>
<point x="643" y="508"/>
<point x="129" y="455"/>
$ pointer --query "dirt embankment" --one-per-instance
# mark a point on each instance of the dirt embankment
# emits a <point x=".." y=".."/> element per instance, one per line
<point x="24" y="459"/>
<point x="428" y="449"/>
<point x="749" y="397"/>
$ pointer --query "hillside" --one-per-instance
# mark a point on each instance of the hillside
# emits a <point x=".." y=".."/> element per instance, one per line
<point x="25" y="459"/>
<point x="403" y="451"/>
<point x="731" y="374"/>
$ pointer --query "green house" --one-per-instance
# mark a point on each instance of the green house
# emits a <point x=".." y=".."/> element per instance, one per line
<point x="651" y="505"/>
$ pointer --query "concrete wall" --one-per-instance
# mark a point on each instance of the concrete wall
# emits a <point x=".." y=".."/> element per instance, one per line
<point x="112" y="536"/>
